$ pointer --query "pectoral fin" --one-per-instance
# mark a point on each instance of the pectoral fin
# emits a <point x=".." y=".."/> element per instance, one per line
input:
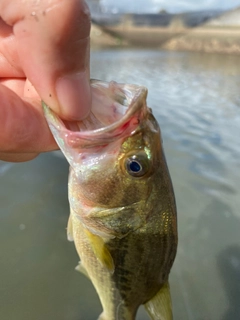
<point x="100" y="250"/>
<point x="81" y="268"/>
<point x="70" y="229"/>
<point x="160" y="306"/>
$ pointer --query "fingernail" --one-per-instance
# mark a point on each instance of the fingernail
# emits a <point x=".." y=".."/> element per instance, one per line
<point x="74" y="98"/>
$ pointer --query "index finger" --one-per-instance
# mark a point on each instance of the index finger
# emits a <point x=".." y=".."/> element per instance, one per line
<point x="53" y="49"/>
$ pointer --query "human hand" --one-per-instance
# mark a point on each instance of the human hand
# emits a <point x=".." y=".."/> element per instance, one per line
<point x="44" y="55"/>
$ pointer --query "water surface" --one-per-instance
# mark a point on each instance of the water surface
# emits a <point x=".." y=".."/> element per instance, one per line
<point x="195" y="97"/>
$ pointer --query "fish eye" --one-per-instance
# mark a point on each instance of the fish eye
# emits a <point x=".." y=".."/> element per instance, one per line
<point x="137" y="165"/>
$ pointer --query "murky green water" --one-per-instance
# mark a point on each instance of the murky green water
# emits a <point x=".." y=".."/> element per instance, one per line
<point x="196" y="99"/>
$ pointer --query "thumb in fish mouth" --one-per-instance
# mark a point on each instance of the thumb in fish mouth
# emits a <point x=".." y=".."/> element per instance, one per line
<point x="116" y="112"/>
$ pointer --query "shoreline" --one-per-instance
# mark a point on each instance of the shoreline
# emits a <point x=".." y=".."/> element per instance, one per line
<point x="206" y="38"/>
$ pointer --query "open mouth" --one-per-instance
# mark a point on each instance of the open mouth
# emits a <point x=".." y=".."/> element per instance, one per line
<point x="117" y="110"/>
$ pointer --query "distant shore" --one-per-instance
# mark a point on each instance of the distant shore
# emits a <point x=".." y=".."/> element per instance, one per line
<point x="99" y="39"/>
<point x="204" y="39"/>
<point x="207" y="39"/>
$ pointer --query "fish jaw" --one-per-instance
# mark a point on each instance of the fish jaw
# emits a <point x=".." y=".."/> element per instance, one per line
<point x="117" y="110"/>
<point x="92" y="145"/>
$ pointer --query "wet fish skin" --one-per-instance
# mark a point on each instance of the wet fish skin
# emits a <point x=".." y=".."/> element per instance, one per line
<point x="124" y="226"/>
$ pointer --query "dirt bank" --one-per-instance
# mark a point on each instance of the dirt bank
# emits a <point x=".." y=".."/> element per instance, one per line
<point x="99" y="38"/>
<point x="207" y="39"/>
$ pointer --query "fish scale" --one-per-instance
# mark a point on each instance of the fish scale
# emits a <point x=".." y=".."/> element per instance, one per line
<point x="123" y="214"/>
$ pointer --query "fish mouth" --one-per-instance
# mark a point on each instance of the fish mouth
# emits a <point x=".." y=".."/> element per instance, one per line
<point x="116" y="111"/>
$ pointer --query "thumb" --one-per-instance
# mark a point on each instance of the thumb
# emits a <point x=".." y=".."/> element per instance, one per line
<point x="53" y="48"/>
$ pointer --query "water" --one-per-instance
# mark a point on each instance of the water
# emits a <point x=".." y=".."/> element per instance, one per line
<point x="195" y="98"/>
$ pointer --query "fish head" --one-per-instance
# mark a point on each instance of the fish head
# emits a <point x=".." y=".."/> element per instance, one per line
<point x="113" y="153"/>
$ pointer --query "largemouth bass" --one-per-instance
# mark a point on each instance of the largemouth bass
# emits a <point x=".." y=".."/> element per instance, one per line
<point x="122" y="207"/>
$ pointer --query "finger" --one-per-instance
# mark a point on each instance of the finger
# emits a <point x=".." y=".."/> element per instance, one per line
<point x="22" y="87"/>
<point x="9" y="62"/>
<point x="17" y="157"/>
<point x="23" y="128"/>
<point x="15" y="84"/>
<point x="53" y="49"/>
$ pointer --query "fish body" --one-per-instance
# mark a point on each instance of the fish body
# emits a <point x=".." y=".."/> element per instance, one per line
<point x="122" y="207"/>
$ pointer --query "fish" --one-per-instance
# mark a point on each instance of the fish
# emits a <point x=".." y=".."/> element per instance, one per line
<point x="123" y="217"/>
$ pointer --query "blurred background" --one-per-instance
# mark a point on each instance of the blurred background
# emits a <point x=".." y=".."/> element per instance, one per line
<point x="187" y="54"/>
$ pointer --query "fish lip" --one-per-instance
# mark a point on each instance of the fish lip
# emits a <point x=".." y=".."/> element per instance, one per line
<point x="134" y="106"/>
<point x="127" y="124"/>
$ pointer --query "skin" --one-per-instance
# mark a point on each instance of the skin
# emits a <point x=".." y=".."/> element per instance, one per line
<point x="144" y="246"/>
<point x="44" y="55"/>
<point x="123" y="223"/>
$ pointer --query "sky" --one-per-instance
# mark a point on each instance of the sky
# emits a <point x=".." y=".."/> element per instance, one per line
<point x="169" y="5"/>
